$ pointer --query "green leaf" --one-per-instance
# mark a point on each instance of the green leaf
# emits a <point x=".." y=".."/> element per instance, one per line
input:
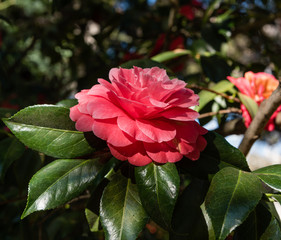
<point x="233" y="194"/>
<point x="271" y="176"/>
<point x="205" y="96"/>
<point x="273" y="231"/>
<point x="48" y="129"/>
<point x="158" y="187"/>
<point x="249" y="103"/>
<point x="188" y="220"/>
<point x="50" y="116"/>
<point x="165" y="56"/>
<point x="59" y="182"/>
<point x="122" y="215"/>
<point x="217" y="154"/>
<point x="10" y="150"/>
<point x="93" y="220"/>
<point x="228" y="154"/>
<point x="68" y="103"/>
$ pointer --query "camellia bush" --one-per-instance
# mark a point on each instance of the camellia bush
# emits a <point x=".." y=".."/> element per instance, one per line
<point x="104" y="106"/>
<point x="140" y="156"/>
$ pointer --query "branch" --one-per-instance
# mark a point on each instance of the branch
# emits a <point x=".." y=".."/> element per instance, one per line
<point x="224" y="111"/>
<point x="215" y="92"/>
<point x="266" y="109"/>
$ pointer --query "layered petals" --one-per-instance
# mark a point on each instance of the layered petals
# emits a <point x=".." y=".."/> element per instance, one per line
<point x="157" y="130"/>
<point x="109" y="131"/>
<point x="162" y="152"/>
<point x="142" y="115"/>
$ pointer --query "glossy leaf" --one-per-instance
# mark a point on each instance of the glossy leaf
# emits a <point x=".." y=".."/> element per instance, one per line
<point x="188" y="220"/>
<point x="165" y="56"/>
<point x="59" y="182"/>
<point x="50" y="116"/>
<point x="158" y="187"/>
<point x="10" y="150"/>
<point x="227" y="153"/>
<point x="249" y="103"/>
<point x="48" y="129"/>
<point x="233" y="194"/>
<point x="206" y="96"/>
<point x="271" y="176"/>
<point x="121" y="213"/>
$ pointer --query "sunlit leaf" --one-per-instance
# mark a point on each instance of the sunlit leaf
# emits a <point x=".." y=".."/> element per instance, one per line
<point x="158" y="187"/>
<point x="48" y="129"/>
<point x="271" y="176"/>
<point x="59" y="182"/>
<point x="206" y="96"/>
<point x="233" y="194"/>
<point x="121" y="212"/>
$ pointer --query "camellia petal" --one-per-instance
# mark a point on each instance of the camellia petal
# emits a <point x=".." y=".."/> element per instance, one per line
<point x="157" y="130"/>
<point x="116" y="154"/>
<point x="129" y="126"/>
<point x="180" y="114"/>
<point x="108" y="130"/>
<point x="101" y="108"/>
<point x="162" y="152"/>
<point x="75" y="114"/>
<point x="142" y="115"/>
<point x="85" y="123"/>
<point x="193" y="155"/>
<point x="139" y="159"/>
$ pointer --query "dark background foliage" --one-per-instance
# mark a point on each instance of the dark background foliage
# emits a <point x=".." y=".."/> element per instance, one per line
<point x="49" y="50"/>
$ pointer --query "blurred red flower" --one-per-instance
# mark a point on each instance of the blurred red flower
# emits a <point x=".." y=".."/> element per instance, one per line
<point x="258" y="86"/>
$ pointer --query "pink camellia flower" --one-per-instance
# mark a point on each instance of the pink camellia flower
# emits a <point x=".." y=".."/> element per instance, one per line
<point x="143" y="115"/>
<point x="258" y="86"/>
